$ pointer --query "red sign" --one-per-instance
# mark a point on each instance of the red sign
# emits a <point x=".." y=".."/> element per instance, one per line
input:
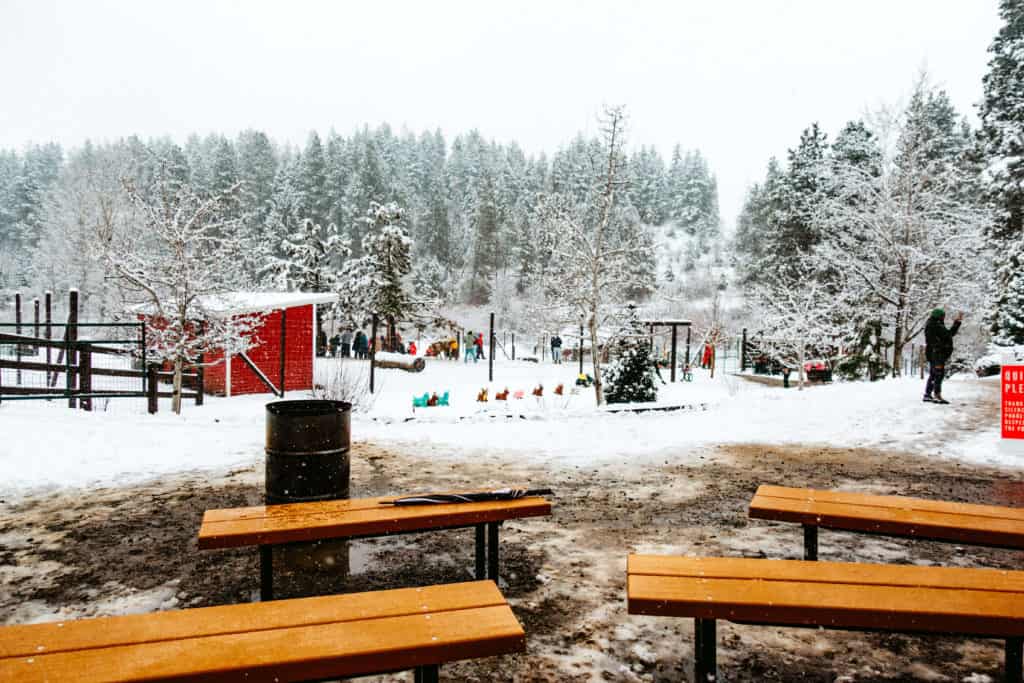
<point x="1013" y="401"/>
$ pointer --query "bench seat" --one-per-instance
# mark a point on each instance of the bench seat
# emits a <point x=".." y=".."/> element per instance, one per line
<point x="983" y="525"/>
<point x="303" y="639"/>
<point x="973" y="602"/>
<point x="269" y="525"/>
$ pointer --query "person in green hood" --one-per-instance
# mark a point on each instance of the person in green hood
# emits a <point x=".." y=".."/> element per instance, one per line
<point x="938" y="348"/>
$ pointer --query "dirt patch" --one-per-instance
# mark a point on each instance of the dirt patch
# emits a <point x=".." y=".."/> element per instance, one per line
<point x="81" y="553"/>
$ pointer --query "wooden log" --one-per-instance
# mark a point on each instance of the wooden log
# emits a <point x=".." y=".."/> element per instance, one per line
<point x="407" y="363"/>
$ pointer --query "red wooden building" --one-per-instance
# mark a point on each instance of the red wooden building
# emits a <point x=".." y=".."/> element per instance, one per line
<point x="283" y="358"/>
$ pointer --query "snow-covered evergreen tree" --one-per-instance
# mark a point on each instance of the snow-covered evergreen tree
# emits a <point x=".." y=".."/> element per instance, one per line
<point x="1002" y="138"/>
<point x="629" y="377"/>
<point x="311" y="260"/>
<point x="377" y="282"/>
<point x="898" y="236"/>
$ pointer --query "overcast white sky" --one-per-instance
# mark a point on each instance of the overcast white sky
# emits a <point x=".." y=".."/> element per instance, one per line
<point x="738" y="79"/>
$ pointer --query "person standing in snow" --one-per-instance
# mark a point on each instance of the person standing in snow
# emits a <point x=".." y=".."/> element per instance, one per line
<point x="938" y="348"/>
<point x="346" y="343"/>
<point x="480" y="347"/>
<point x="469" y="346"/>
<point x="361" y="345"/>
<point x="556" y="349"/>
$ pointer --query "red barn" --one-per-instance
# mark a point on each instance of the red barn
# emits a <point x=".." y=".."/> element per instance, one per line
<point x="283" y="358"/>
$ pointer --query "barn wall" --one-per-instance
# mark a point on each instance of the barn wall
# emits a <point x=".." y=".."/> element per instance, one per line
<point x="266" y="356"/>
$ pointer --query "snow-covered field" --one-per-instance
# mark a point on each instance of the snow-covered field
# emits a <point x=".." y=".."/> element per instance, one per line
<point x="46" y="445"/>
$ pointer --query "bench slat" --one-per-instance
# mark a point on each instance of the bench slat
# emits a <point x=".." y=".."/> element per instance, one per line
<point x="289" y="509"/>
<point x="954" y="578"/>
<point x="317" y="521"/>
<point x="898" y="502"/>
<point x="291" y="654"/>
<point x="894" y="516"/>
<point x="808" y="593"/>
<point x="25" y="640"/>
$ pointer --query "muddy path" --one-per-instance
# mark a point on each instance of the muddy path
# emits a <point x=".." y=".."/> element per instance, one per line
<point x="103" y="551"/>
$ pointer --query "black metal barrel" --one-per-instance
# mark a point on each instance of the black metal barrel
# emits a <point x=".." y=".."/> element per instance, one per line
<point x="308" y="460"/>
<point x="307" y="451"/>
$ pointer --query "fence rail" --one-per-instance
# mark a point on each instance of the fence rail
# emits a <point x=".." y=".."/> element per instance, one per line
<point x="77" y="364"/>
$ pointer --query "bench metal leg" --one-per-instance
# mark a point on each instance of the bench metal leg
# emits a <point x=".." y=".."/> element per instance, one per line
<point x="426" y="674"/>
<point x="492" y="551"/>
<point x="1014" y="660"/>
<point x="266" y="573"/>
<point x="481" y="553"/>
<point x="705" y="656"/>
<point x="810" y="542"/>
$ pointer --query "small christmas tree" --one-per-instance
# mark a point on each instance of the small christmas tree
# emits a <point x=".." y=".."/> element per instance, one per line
<point x="629" y="378"/>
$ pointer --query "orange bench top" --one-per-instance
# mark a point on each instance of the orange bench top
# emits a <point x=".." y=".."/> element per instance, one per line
<point x="266" y="524"/>
<point x="892" y="515"/>
<point x="987" y="602"/>
<point x="286" y="640"/>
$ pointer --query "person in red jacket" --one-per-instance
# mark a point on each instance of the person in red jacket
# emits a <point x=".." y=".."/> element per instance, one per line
<point x="479" y="343"/>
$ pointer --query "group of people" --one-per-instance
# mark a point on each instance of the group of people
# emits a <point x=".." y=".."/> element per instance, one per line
<point x="556" y="350"/>
<point x="473" y="347"/>
<point x="347" y="345"/>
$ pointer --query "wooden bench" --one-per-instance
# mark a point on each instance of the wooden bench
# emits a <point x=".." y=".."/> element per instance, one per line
<point x="270" y="525"/>
<point x="933" y="520"/>
<point x="975" y="602"/>
<point x="305" y="639"/>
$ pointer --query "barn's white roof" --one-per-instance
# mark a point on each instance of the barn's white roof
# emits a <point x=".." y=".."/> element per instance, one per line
<point x="261" y="302"/>
<point x="236" y="303"/>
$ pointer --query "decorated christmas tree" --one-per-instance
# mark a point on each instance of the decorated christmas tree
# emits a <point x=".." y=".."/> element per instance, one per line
<point x="629" y="378"/>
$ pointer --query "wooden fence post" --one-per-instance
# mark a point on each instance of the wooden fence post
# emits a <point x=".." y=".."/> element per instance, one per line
<point x="490" y="356"/>
<point x="152" y="387"/>
<point x="85" y="377"/>
<point x="373" y="347"/>
<point x="48" y="305"/>
<point x="284" y="342"/>
<point x="72" y="337"/>
<point x="17" y="330"/>
<point x="35" y="328"/>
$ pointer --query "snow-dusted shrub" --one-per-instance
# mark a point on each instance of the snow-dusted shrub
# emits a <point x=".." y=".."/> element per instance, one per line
<point x="343" y="382"/>
<point x="999" y="355"/>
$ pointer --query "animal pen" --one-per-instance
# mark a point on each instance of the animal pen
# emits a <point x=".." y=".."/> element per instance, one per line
<point x="84" y="363"/>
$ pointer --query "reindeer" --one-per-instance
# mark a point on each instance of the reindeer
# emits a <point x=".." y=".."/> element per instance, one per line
<point x="501" y="395"/>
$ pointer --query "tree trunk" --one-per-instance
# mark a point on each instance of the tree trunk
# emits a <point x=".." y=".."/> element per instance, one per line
<point x="714" y="356"/>
<point x="800" y="355"/>
<point x="595" y="359"/>
<point x="176" y="399"/>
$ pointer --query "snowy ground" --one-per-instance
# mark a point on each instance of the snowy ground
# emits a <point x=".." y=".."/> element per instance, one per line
<point x="99" y="512"/>
<point x="46" y="445"/>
